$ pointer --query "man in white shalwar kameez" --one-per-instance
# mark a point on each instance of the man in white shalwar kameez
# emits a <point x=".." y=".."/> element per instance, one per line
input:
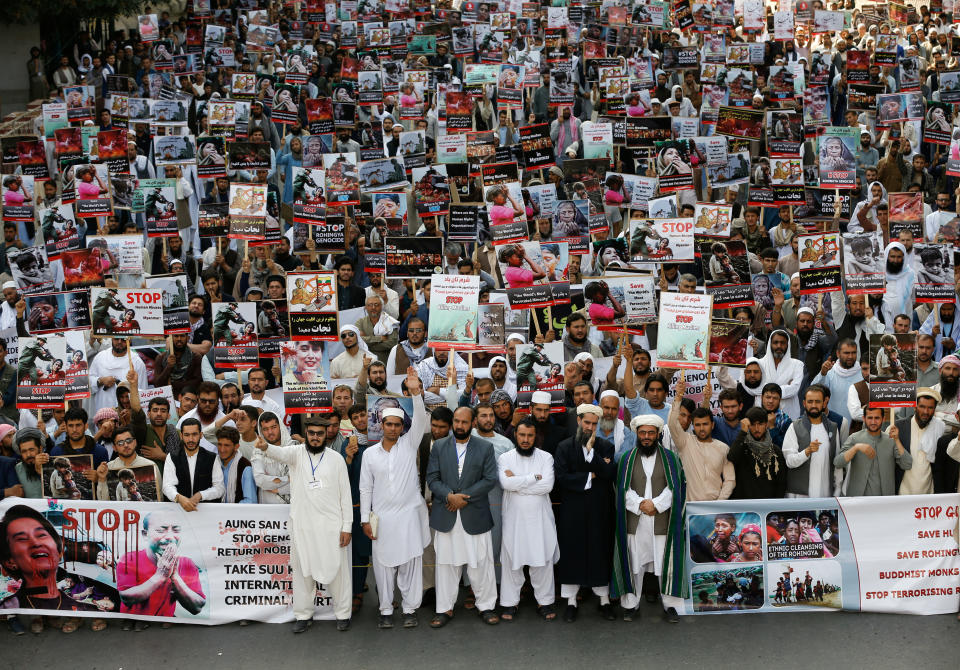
<point x="321" y="517"/>
<point x="779" y="367"/>
<point x="390" y="494"/>
<point x="529" y="528"/>
<point x="652" y="510"/>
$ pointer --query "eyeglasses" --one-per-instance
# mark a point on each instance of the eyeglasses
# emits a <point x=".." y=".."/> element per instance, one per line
<point x="120" y="443"/>
<point x="315" y="433"/>
<point x="344" y="336"/>
<point x="208" y="401"/>
<point x="414" y="330"/>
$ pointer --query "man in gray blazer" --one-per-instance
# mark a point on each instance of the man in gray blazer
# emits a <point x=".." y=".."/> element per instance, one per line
<point x="871" y="457"/>
<point x="461" y="472"/>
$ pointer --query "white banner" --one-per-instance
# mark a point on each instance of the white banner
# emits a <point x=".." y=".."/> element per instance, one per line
<point x="99" y="560"/>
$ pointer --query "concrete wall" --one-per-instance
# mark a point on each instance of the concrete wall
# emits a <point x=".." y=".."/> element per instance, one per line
<point x="15" y="43"/>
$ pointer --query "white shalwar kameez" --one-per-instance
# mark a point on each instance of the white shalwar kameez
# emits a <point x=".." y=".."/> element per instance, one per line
<point x="320" y="509"/>
<point x="457" y="549"/>
<point x="390" y="488"/>
<point x="529" y="527"/>
<point x="645" y="547"/>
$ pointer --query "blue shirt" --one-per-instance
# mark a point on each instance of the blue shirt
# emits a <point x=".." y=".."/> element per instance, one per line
<point x="247" y="483"/>
<point x="638" y="405"/>
<point x="723" y="431"/>
<point x="99" y="453"/>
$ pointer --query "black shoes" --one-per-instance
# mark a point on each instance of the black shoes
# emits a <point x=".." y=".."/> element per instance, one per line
<point x="301" y="625"/>
<point x="386" y="621"/>
<point x="672" y="616"/>
<point x="570" y="614"/>
<point x="410" y="620"/>
<point x="344" y="625"/>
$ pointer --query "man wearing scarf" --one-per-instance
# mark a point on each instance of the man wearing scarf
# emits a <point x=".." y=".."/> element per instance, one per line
<point x="378" y="329"/>
<point x="411" y="351"/>
<point x="919" y="435"/>
<point x="815" y="343"/>
<point x="611" y="427"/>
<point x="585" y="470"/>
<point x="839" y="376"/>
<point x="433" y="374"/>
<point x="898" y="291"/>
<point x="855" y="324"/>
<point x="750" y="388"/>
<point x="349" y="363"/>
<point x="947" y="388"/>
<point x="758" y="462"/>
<point x="650" y="537"/>
<point x="779" y="367"/>
<point x="564" y="131"/>
<point x="179" y="367"/>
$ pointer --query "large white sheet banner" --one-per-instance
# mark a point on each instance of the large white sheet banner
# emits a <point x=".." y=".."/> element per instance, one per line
<point x="151" y="561"/>
<point x="893" y="554"/>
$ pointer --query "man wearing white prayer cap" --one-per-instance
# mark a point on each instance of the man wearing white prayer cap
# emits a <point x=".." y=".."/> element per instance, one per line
<point x="8" y="310"/>
<point x="650" y="509"/>
<point x="611" y="427"/>
<point x="550" y="433"/>
<point x="585" y="469"/>
<point x="392" y="511"/>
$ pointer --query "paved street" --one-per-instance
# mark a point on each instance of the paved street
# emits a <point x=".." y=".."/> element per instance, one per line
<point x="780" y="641"/>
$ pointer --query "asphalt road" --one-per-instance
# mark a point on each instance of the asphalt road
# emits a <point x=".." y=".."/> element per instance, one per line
<point x="781" y="641"/>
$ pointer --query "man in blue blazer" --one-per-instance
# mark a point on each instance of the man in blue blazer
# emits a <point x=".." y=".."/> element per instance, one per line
<point x="461" y="472"/>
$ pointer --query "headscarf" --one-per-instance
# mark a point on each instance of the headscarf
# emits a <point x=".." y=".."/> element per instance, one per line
<point x="899" y="288"/>
<point x="25" y="434"/>
<point x="756" y="392"/>
<point x="356" y="331"/>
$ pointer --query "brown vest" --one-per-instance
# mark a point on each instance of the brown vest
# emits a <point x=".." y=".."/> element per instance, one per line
<point x="638" y="482"/>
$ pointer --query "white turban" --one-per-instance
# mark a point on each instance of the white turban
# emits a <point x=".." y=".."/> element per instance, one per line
<point x="583" y="356"/>
<point x="610" y="393"/>
<point x="540" y="398"/>
<point x="646" y="420"/>
<point x="587" y="408"/>
<point x="806" y="310"/>
<point x="9" y="284"/>
<point x="392" y="411"/>
<point x="495" y="359"/>
<point x="516" y="336"/>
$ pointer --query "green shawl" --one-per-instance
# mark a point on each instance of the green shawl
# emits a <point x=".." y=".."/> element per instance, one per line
<point x="672" y="578"/>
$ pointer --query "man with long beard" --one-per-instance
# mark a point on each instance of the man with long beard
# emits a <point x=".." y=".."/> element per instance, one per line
<point x="815" y="345"/>
<point x="856" y="325"/>
<point x="612" y="428"/>
<point x="321" y="518"/>
<point x="919" y="436"/>
<point x="948" y="388"/>
<point x="585" y="469"/>
<point x="650" y="537"/>
<point x="839" y="376"/>
<point x="549" y="433"/>
<point x="109" y="368"/>
<point x="780" y="368"/>
<point x="529" y="529"/>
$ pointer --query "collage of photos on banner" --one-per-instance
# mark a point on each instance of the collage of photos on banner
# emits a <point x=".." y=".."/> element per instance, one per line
<point x="773" y="562"/>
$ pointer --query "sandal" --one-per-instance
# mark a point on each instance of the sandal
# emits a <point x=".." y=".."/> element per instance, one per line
<point x="490" y="617"/>
<point x="357" y="602"/>
<point x="470" y="602"/>
<point x="70" y="625"/>
<point x="98" y="625"/>
<point x="36" y="625"/>
<point x="547" y="612"/>
<point x="441" y="619"/>
<point x="508" y="614"/>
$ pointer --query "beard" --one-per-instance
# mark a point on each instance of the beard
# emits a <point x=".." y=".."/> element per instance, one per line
<point x="31" y="470"/>
<point x="922" y="423"/>
<point x="606" y="425"/>
<point x="316" y="449"/>
<point x="461" y="435"/>
<point x="751" y="385"/>
<point x="778" y="354"/>
<point x="647" y="449"/>
<point x="582" y="437"/>
<point x="814" y="413"/>
<point x="578" y="340"/>
<point x="526" y="453"/>
<point x="119" y="346"/>
<point x="894" y="268"/>
<point x="378" y="385"/>
<point x="949" y="387"/>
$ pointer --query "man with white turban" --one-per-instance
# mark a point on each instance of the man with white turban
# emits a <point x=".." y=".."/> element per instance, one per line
<point x="585" y="468"/>
<point x="348" y="364"/>
<point x="651" y="503"/>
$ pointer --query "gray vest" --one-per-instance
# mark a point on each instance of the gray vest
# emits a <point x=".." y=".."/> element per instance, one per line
<point x="798" y="479"/>
<point x="658" y="482"/>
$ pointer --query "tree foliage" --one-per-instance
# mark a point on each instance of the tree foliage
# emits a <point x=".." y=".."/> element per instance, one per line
<point x="31" y="11"/>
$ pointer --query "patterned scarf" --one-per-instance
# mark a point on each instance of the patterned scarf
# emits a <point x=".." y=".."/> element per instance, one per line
<point x="672" y="580"/>
<point x="764" y="454"/>
<point x="415" y="357"/>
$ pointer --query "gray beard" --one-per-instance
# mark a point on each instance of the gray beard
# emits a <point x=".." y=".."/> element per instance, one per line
<point x="606" y="425"/>
<point x="778" y="355"/>
<point x="581" y="437"/>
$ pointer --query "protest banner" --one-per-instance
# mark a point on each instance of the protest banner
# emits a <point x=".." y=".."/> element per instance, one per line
<point x="57" y="312"/>
<point x="126" y="312"/>
<point x="248" y="211"/>
<point x="312" y="305"/>
<point x="863" y="269"/>
<point x="305" y="369"/>
<point x="684" y="332"/>
<point x="618" y="303"/>
<point x="820" y="268"/>
<point x="726" y="272"/>
<point x="933" y="265"/>
<point x="540" y="368"/>
<point x="413" y="257"/>
<point x="893" y="370"/>
<point x="175" y="301"/>
<point x="893" y="554"/>
<point x="41" y="372"/>
<point x="453" y="312"/>
<point x="235" y="335"/>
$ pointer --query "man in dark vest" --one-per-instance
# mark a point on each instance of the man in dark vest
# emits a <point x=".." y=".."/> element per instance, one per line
<point x="809" y="447"/>
<point x="238" y="482"/>
<point x="189" y="475"/>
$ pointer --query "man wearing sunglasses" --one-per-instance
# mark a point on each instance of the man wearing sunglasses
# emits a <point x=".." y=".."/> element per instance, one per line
<point x="125" y="457"/>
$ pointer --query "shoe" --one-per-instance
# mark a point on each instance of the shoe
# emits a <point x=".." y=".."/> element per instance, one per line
<point x="127" y="624"/>
<point x="570" y="614"/>
<point x="343" y="625"/>
<point x="410" y="620"/>
<point x="243" y="622"/>
<point x="672" y="616"/>
<point x="140" y="626"/>
<point x="386" y="621"/>
<point x="301" y="625"/>
<point x="13" y="623"/>
<point x="630" y="615"/>
<point x="606" y="611"/>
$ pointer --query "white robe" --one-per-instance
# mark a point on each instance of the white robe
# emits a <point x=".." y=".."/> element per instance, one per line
<point x="789" y="375"/>
<point x="390" y="488"/>
<point x="318" y="513"/>
<point x="645" y="546"/>
<point x="529" y="528"/>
